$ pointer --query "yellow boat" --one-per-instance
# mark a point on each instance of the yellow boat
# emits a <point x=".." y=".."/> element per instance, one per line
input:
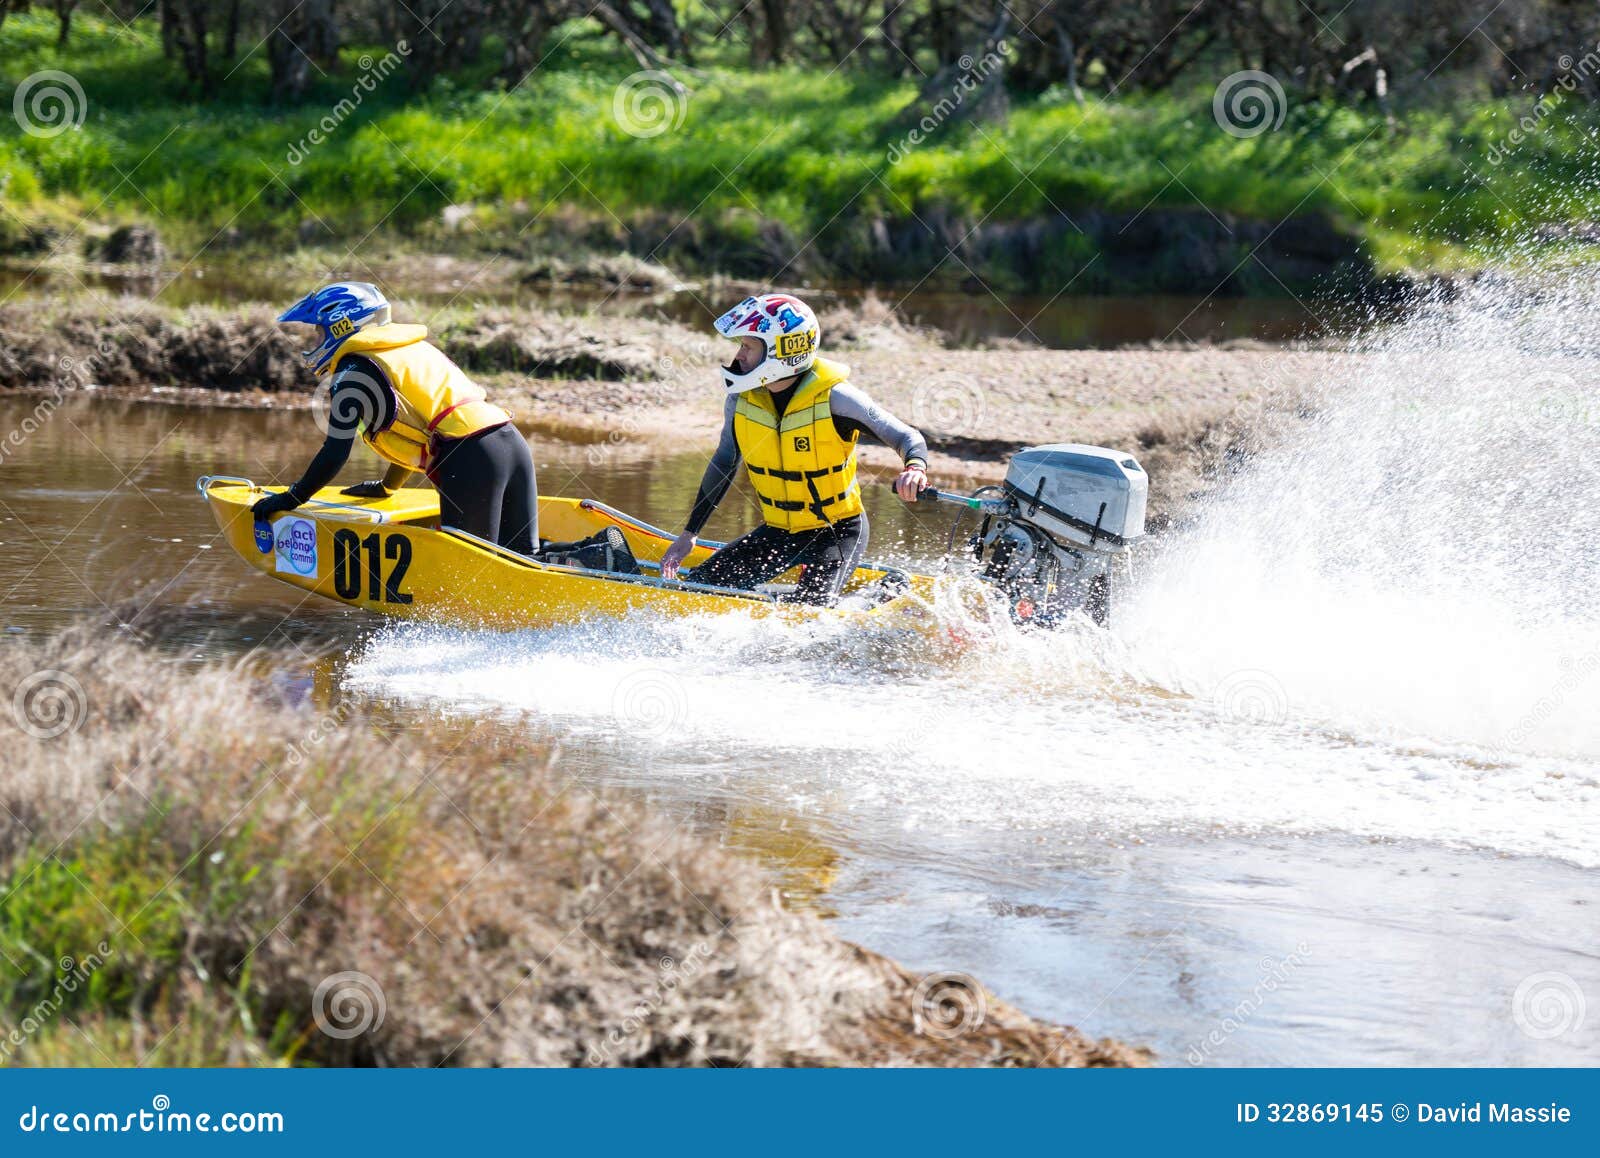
<point x="390" y="555"/>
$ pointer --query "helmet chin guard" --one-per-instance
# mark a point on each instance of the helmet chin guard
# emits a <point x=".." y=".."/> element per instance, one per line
<point x="787" y="329"/>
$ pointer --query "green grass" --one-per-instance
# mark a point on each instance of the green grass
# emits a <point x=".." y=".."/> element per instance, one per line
<point x="199" y="873"/>
<point x="796" y="146"/>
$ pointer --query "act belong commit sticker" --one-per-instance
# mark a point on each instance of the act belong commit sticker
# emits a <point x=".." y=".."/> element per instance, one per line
<point x="295" y="546"/>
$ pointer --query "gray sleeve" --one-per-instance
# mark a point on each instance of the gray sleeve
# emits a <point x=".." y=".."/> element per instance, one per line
<point x="719" y="474"/>
<point x="854" y="411"/>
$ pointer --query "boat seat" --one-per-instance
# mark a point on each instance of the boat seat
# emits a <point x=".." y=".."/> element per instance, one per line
<point x="606" y="551"/>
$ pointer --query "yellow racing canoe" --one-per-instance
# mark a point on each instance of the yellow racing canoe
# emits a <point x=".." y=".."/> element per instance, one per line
<point x="390" y="555"/>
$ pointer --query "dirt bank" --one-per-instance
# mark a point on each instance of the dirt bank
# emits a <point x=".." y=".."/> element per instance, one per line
<point x="1156" y="249"/>
<point x="1184" y="410"/>
<point x="256" y="882"/>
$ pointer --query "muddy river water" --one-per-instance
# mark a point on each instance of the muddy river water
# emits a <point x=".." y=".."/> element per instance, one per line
<point x="1183" y="833"/>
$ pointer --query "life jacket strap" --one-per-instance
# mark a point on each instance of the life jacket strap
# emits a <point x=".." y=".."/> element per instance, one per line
<point x="446" y="413"/>
<point x="797" y="505"/>
<point x="796" y="475"/>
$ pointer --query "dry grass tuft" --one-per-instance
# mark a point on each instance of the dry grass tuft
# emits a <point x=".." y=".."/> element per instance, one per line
<point x="69" y="346"/>
<point x="253" y="882"/>
<point x="138" y="344"/>
<point x="552" y="345"/>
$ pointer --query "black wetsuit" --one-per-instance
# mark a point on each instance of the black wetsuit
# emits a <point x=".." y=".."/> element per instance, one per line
<point x="829" y="554"/>
<point x="486" y="481"/>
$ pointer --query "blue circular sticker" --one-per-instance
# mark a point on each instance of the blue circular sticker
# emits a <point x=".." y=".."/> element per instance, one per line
<point x="264" y="536"/>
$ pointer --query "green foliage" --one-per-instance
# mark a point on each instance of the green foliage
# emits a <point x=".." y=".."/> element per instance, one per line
<point x="793" y="146"/>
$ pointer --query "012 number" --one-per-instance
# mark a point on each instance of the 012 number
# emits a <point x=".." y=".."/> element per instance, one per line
<point x="351" y="572"/>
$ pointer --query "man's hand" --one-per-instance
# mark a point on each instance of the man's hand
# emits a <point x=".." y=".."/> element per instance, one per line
<point x="372" y="489"/>
<point x="911" y="480"/>
<point x="676" y="554"/>
<point x="272" y="504"/>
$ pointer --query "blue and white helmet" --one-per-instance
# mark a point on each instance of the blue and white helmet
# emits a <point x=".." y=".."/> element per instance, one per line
<point x="337" y="310"/>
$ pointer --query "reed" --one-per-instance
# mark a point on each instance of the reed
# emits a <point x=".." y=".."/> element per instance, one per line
<point x="196" y="872"/>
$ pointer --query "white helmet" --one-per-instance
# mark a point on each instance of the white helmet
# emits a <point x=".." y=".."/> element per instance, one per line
<point x="785" y="325"/>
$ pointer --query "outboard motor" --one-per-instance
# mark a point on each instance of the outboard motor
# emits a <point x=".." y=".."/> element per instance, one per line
<point x="1064" y="520"/>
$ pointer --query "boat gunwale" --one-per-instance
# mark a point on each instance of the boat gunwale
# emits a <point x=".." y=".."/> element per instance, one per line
<point x="332" y="512"/>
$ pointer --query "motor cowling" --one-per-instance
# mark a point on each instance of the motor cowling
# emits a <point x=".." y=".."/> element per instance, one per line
<point x="1070" y="516"/>
<point x="1086" y="496"/>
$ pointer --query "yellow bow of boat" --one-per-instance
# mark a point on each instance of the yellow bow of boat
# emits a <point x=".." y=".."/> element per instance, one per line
<point x="391" y="555"/>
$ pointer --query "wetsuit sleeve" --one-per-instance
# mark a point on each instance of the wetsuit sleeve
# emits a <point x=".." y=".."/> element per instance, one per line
<point x="855" y="413"/>
<point x="360" y="396"/>
<point x="329" y="461"/>
<point x="719" y="474"/>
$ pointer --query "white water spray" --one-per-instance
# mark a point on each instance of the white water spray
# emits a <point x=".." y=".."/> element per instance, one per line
<point x="1424" y="557"/>
<point x="1387" y="626"/>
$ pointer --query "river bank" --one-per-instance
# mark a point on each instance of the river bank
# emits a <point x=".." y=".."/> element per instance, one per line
<point x="648" y="388"/>
<point x="200" y="871"/>
<point x="781" y="173"/>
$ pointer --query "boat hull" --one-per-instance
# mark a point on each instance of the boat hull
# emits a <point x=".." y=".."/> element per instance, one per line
<point x="391" y="556"/>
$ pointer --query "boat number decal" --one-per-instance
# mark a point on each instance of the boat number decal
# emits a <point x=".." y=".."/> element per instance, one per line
<point x="294" y="543"/>
<point x="358" y="563"/>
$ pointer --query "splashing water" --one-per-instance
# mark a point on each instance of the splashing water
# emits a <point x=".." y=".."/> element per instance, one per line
<point x="1387" y="626"/>
<point x="1423" y="557"/>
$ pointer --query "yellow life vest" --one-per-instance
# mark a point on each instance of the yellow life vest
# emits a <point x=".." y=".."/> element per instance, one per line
<point x="803" y="471"/>
<point x="434" y="398"/>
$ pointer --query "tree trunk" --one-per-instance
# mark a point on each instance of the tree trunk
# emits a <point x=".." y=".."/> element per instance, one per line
<point x="64" y="21"/>
<point x="777" y="30"/>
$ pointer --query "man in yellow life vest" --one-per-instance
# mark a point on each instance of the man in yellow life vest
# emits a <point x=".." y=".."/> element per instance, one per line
<point x="418" y="411"/>
<point x="795" y="419"/>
